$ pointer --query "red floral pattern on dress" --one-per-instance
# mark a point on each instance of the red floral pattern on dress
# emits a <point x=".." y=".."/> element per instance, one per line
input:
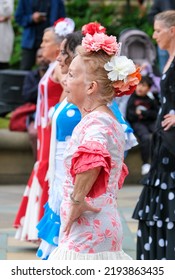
<point x="95" y="232"/>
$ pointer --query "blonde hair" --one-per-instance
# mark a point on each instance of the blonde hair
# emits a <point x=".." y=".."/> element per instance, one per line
<point x="95" y="62"/>
<point x="168" y="17"/>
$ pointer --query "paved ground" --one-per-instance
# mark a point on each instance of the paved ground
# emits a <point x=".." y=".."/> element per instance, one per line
<point x="12" y="249"/>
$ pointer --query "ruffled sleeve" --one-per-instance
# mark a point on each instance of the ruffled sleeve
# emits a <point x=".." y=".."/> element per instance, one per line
<point x="87" y="157"/>
<point x="123" y="174"/>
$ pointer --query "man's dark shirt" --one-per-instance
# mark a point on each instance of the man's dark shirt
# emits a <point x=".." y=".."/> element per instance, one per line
<point x="30" y="86"/>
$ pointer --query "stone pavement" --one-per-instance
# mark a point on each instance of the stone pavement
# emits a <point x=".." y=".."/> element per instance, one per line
<point x="12" y="249"/>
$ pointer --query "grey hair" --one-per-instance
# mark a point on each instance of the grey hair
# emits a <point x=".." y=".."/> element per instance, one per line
<point x="168" y="17"/>
<point x="58" y="39"/>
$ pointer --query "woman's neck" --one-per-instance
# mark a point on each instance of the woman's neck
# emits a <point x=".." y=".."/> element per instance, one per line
<point x="171" y="53"/>
<point x="95" y="107"/>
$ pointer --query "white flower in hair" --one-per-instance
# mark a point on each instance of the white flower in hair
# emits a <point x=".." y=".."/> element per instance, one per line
<point x="124" y="75"/>
<point x="64" y="26"/>
<point x="119" y="67"/>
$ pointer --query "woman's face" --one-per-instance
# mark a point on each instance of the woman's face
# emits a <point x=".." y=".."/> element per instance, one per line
<point x="49" y="46"/>
<point x="161" y="34"/>
<point x="76" y="84"/>
<point x="64" y="58"/>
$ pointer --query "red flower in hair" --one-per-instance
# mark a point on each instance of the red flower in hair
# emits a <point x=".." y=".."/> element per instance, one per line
<point x="129" y="86"/>
<point x="64" y="26"/>
<point x="92" y="28"/>
<point x="119" y="93"/>
<point x="59" y="20"/>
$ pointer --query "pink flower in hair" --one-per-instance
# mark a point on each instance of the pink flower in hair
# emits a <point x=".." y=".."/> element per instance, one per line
<point x="92" y="28"/>
<point x="100" y="41"/>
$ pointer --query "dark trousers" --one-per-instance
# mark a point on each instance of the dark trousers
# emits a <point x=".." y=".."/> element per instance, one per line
<point x="28" y="59"/>
<point x="143" y="132"/>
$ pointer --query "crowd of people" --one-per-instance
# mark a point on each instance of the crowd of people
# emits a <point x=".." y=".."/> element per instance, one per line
<point x="80" y="138"/>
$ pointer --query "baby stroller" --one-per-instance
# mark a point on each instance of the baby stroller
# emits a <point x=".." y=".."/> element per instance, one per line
<point x="137" y="45"/>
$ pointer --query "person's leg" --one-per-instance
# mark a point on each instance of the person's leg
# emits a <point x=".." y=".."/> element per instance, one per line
<point x="28" y="59"/>
<point x="143" y="135"/>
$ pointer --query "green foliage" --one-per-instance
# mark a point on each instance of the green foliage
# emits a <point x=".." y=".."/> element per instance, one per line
<point x="4" y="122"/>
<point x="131" y="19"/>
<point x="114" y="16"/>
<point x="15" y="59"/>
<point x="83" y="12"/>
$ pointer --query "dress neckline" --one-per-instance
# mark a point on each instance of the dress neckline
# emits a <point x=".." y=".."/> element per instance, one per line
<point x="102" y="113"/>
<point x="164" y="72"/>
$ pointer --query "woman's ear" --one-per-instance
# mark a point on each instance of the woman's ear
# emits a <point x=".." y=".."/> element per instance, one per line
<point x="172" y="28"/>
<point x="92" y="87"/>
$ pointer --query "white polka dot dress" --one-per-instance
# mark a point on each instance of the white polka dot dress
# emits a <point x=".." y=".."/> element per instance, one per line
<point x="155" y="209"/>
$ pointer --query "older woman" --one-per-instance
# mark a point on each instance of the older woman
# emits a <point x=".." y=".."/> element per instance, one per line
<point x="93" y="160"/>
<point x="155" y="209"/>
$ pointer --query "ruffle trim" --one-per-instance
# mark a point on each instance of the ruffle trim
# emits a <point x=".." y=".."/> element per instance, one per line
<point x="49" y="226"/>
<point x="159" y="179"/>
<point x="89" y="156"/>
<point x="130" y="141"/>
<point x="123" y="174"/>
<point x="55" y="196"/>
<point x="155" y="205"/>
<point x="60" y="254"/>
<point x="44" y="250"/>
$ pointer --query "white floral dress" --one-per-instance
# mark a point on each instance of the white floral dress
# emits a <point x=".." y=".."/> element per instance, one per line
<point x="98" y="140"/>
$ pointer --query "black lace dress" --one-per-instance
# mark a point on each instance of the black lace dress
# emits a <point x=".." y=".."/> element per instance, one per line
<point x="155" y="209"/>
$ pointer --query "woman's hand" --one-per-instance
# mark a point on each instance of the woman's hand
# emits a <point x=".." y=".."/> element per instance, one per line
<point x="168" y="122"/>
<point x="76" y="210"/>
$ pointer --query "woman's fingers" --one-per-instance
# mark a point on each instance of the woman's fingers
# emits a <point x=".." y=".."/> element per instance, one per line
<point x="93" y="209"/>
<point x="68" y="227"/>
<point x="76" y="211"/>
<point x="168" y="122"/>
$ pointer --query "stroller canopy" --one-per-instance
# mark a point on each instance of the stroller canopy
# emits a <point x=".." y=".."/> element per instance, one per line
<point x="137" y="45"/>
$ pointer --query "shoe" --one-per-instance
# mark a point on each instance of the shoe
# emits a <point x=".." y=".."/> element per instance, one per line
<point x="145" y="168"/>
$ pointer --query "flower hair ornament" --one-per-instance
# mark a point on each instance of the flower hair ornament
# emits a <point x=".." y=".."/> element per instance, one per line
<point x="123" y="73"/>
<point x="95" y="39"/>
<point x="92" y="28"/>
<point x="64" y="26"/>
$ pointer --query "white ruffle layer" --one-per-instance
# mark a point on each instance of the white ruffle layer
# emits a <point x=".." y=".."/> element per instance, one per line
<point x="61" y="254"/>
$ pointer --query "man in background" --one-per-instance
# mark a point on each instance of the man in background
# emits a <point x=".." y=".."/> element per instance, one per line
<point x="34" y="16"/>
<point x="30" y="93"/>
